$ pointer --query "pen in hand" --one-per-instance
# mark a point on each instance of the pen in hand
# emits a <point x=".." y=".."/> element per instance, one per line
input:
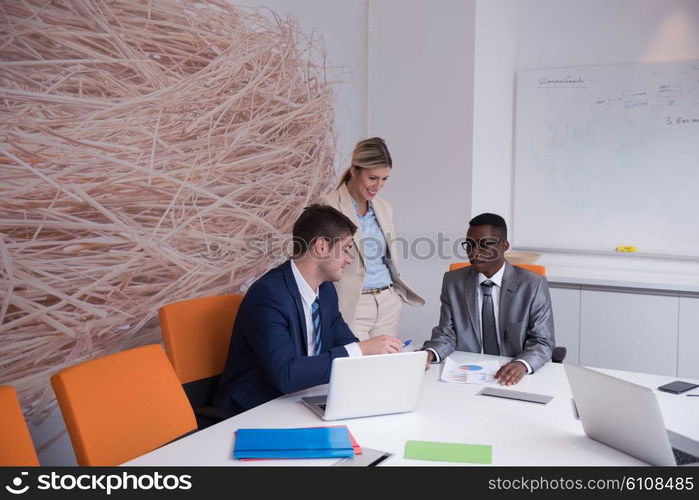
<point x="407" y="343"/>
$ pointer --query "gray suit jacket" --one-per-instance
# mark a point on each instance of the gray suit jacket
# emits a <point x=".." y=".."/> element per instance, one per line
<point x="525" y="322"/>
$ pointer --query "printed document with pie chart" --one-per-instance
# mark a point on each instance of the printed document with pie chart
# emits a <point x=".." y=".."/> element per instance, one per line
<point x="477" y="372"/>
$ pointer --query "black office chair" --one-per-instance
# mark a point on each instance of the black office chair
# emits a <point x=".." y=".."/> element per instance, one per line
<point x="559" y="354"/>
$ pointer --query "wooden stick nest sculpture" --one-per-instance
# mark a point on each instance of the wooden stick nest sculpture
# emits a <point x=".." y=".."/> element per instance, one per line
<point x="143" y="147"/>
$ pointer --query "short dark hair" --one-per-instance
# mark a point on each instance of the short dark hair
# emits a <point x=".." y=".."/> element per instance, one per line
<point x="320" y="221"/>
<point x="488" y="219"/>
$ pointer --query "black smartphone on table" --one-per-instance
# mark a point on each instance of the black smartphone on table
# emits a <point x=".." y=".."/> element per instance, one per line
<point x="677" y="387"/>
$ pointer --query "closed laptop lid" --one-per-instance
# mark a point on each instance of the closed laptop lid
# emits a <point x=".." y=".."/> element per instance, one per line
<point x="620" y="414"/>
<point x="375" y="385"/>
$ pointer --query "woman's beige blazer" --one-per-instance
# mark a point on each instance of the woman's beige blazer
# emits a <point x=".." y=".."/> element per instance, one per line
<point x="350" y="286"/>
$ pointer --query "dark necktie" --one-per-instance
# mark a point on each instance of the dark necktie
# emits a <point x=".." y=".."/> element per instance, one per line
<point x="490" y="340"/>
<point x="315" y="314"/>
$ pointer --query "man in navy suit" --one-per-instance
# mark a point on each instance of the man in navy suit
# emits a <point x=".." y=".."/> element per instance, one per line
<point x="289" y="329"/>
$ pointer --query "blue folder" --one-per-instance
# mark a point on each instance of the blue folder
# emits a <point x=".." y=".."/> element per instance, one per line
<point x="304" y="442"/>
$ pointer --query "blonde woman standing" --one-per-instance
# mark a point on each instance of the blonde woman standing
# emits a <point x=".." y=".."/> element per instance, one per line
<point x="371" y="292"/>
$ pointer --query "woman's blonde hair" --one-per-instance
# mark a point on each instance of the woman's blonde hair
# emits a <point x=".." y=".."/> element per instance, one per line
<point x="369" y="153"/>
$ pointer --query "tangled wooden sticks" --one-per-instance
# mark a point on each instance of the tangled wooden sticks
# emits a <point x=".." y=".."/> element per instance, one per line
<point x="143" y="146"/>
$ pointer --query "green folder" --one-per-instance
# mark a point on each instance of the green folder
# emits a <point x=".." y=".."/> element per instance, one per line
<point x="449" y="452"/>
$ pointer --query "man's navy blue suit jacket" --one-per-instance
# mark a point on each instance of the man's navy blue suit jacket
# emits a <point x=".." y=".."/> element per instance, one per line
<point x="268" y="351"/>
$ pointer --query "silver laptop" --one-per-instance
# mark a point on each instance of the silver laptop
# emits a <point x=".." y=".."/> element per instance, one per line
<point x="371" y="385"/>
<point x="627" y="417"/>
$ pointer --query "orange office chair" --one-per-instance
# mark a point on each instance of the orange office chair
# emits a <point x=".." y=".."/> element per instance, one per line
<point x="535" y="268"/>
<point x="17" y="448"/>
<point x="559" y="352"/>
<point x="197" y="333"/>
<point x="121" y="406"/>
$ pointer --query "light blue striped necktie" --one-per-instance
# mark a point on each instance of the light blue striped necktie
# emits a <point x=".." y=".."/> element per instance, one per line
<point x="315" y="314"/>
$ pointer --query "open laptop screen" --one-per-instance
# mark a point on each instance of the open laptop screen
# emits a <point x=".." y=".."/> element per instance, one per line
<point x="373" y="385"/>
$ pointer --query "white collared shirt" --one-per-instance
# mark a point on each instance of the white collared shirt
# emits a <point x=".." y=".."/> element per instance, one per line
<point x="308" y="296"/>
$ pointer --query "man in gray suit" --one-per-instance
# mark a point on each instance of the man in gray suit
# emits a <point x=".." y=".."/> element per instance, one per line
<point x="472" y="297"/>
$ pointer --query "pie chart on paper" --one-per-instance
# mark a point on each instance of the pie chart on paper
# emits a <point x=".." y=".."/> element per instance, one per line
<point x="465" y="372"/>
<point x="471" y="368"/>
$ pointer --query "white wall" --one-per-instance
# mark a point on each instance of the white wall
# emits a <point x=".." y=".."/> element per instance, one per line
<point x="554" y="33"/>
<point x="52" y="442"/>
<point x="421" y="102"/>
<point x="493" y="104"/>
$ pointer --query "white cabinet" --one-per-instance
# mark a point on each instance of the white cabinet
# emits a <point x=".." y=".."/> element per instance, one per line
<point x="629" y="331"/>
<point x="688" y="356"/>
<point x="625" y="328"/>
<point x="566" y="320"/>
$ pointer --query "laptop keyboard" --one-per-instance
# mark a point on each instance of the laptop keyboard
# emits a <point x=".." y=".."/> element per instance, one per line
<point x="683" y="458"/>
<point x="322" y="407"/>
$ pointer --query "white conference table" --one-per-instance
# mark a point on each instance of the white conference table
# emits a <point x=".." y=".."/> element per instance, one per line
<point x="520" y="433"/>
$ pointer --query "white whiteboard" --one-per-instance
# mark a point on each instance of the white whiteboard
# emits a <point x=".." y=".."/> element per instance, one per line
<point x="608" y="156"/>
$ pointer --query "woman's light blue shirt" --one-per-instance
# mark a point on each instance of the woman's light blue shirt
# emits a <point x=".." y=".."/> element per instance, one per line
<point x="377" y="272"/>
